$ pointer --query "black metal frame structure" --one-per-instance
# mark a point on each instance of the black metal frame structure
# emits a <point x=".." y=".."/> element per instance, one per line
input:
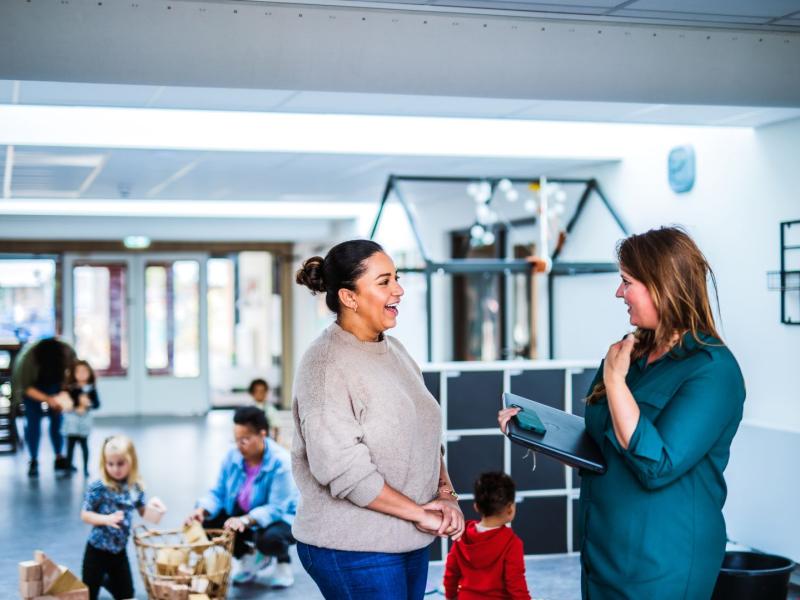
<point x="501" y="266"/>
<point x="786" y="281"/>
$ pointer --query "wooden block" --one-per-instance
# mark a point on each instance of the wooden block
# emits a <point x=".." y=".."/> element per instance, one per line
<point x="169" y="559"/>
<point x="218" y="563"/>
<point x="195" y="533"/>
<point x="199" y="585"/>
<point x="39" y="556"/>
<point x="50" y="574"/>
<point x="66" y="582"/>
<point x="29" y="589"/>
<point x="30" y="570"/>
<point x="161" y="589"/>
<point x="154" y="510"/>
<point x="179" y="592"/>
<point x="199" y="597"/>
<point x="81" y="594"/>
<point x="152" y="515"/>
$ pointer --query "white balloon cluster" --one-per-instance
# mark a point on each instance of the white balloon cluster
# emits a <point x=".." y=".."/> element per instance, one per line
<point x="557" y="199"/>
<point x="485" y="218"/>
<point x="484" y="194"/>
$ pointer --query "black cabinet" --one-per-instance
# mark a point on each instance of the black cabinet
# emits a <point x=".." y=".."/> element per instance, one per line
<point x="546" y="510"/>
<point x="471" y="455"/>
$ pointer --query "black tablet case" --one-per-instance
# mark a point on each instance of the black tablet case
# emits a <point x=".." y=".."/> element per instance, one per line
<point x="565" y="440"/>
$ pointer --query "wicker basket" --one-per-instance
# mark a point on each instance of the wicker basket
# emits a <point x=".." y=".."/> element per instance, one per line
<point x="198" y="558"/>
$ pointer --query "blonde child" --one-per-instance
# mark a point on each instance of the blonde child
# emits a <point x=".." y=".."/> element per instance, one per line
<point x="76" y="423"/>
<point x="108" y="506"/>
<point x="488" y="561"/>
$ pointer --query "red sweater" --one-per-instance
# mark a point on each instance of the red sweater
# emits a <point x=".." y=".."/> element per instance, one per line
<point x="486" y="565"/>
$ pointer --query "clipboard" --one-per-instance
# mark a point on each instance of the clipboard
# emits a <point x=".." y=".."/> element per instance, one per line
<point x="564" y="439"/>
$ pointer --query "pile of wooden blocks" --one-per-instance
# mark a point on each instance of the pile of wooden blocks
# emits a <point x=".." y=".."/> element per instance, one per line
<point x="42" y="579"/>
<point x="197" y="571"/>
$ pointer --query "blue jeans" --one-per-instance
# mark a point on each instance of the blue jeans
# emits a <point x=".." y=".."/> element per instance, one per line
<point x="345" y="575"/>
<point x="33" y="428"/>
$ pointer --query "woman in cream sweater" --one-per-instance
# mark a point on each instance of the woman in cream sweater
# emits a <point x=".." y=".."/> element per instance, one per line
<point x="366" y="454"/>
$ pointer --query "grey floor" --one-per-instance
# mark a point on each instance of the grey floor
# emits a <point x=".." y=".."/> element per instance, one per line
<point x="179" y="458"/>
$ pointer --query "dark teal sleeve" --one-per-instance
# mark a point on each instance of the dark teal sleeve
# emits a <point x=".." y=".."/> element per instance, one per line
<point x="691" y="422"/>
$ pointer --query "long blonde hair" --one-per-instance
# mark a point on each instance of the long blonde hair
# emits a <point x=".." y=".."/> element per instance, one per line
<point x="120" y="445"/>
<point x="668" y="262"/>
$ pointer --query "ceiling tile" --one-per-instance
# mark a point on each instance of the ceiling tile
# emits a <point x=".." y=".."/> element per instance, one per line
<point x="554" y="110"/>
<point x="199" y="98"/>
<point x="771" y="9"/>
<point x="84" y="94"/>
<point x="590" y="8"/>
<point x="689" y="18"/>
<point x="6" y="91"/>
<point x="400" y="104"/>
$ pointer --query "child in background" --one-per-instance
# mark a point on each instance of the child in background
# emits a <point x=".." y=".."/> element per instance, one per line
<point x="108" y="506"/>
<point x="487" y="562"/>
<point x="76" y="423"/>
<point x="259" y="390"/>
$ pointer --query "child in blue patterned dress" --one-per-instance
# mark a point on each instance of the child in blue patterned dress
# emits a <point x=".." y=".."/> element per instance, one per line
<point x="76" y="423"/>
<point x="108" y="506"/>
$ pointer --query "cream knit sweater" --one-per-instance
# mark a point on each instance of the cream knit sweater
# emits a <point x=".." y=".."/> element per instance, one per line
<point x="362" y="417"/>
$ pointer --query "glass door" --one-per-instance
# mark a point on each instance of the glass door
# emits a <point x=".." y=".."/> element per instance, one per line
<point x="174" y="370"/>
<point x="138" y="319"/>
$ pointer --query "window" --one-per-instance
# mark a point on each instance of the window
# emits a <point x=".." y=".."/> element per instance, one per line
<point x="100" y="324"/>
<point x="27" y="299"/>
<point x="244" y="324"/>
<point x="172" y="318"/>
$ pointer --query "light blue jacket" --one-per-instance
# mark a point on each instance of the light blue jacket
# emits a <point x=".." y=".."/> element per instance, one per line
<point x="275" y="495"/>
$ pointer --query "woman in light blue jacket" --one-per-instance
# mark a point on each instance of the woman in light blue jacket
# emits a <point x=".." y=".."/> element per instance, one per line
<point x="255" y="496"/>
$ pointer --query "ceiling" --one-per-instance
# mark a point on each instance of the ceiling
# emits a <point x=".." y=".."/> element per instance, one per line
<point x="56" y="93"/>
<point x="69" y="173"/>
<point x="673" y="52"/>
<point x="680" y="62"/>
<point x="97" y="173"/>
<point x="763" y="15"/>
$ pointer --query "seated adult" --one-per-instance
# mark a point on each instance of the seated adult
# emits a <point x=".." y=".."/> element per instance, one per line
<point x="255" y="496"/>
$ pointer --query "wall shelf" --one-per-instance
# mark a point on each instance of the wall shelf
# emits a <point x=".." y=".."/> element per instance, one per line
<point x="787" y="280"/>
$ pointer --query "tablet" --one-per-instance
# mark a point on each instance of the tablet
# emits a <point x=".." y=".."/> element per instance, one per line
<point x="564" y="437"/>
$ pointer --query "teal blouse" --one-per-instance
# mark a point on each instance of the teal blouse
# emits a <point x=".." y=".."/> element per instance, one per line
<point x="652" y="527"/>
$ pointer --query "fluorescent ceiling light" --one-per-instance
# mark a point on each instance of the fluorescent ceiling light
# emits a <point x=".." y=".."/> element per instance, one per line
<point x="26" y="158"/>
<point x="69" y="126"/>
<point x="179" y="208"/>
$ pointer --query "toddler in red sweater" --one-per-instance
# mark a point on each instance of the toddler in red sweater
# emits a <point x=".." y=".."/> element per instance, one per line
<point x="487" y="562"/>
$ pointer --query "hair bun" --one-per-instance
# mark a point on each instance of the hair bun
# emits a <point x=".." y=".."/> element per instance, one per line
<point x="310" y="274"/>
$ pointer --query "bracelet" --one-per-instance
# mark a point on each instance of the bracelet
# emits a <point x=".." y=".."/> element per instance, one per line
<point x="449" y="492"/>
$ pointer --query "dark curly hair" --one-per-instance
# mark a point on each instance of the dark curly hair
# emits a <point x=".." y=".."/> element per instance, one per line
<point x="493" y="492"/>
<point x="252" y="417"/>
<point x="340" y="268"/>
<point x="255" y="383"/>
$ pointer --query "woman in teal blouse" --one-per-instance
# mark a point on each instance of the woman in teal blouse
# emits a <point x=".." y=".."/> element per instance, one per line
<point x="664" y="407"/>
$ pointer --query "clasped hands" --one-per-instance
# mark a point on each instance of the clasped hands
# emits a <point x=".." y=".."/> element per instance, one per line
<point x="442" y="517"/>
